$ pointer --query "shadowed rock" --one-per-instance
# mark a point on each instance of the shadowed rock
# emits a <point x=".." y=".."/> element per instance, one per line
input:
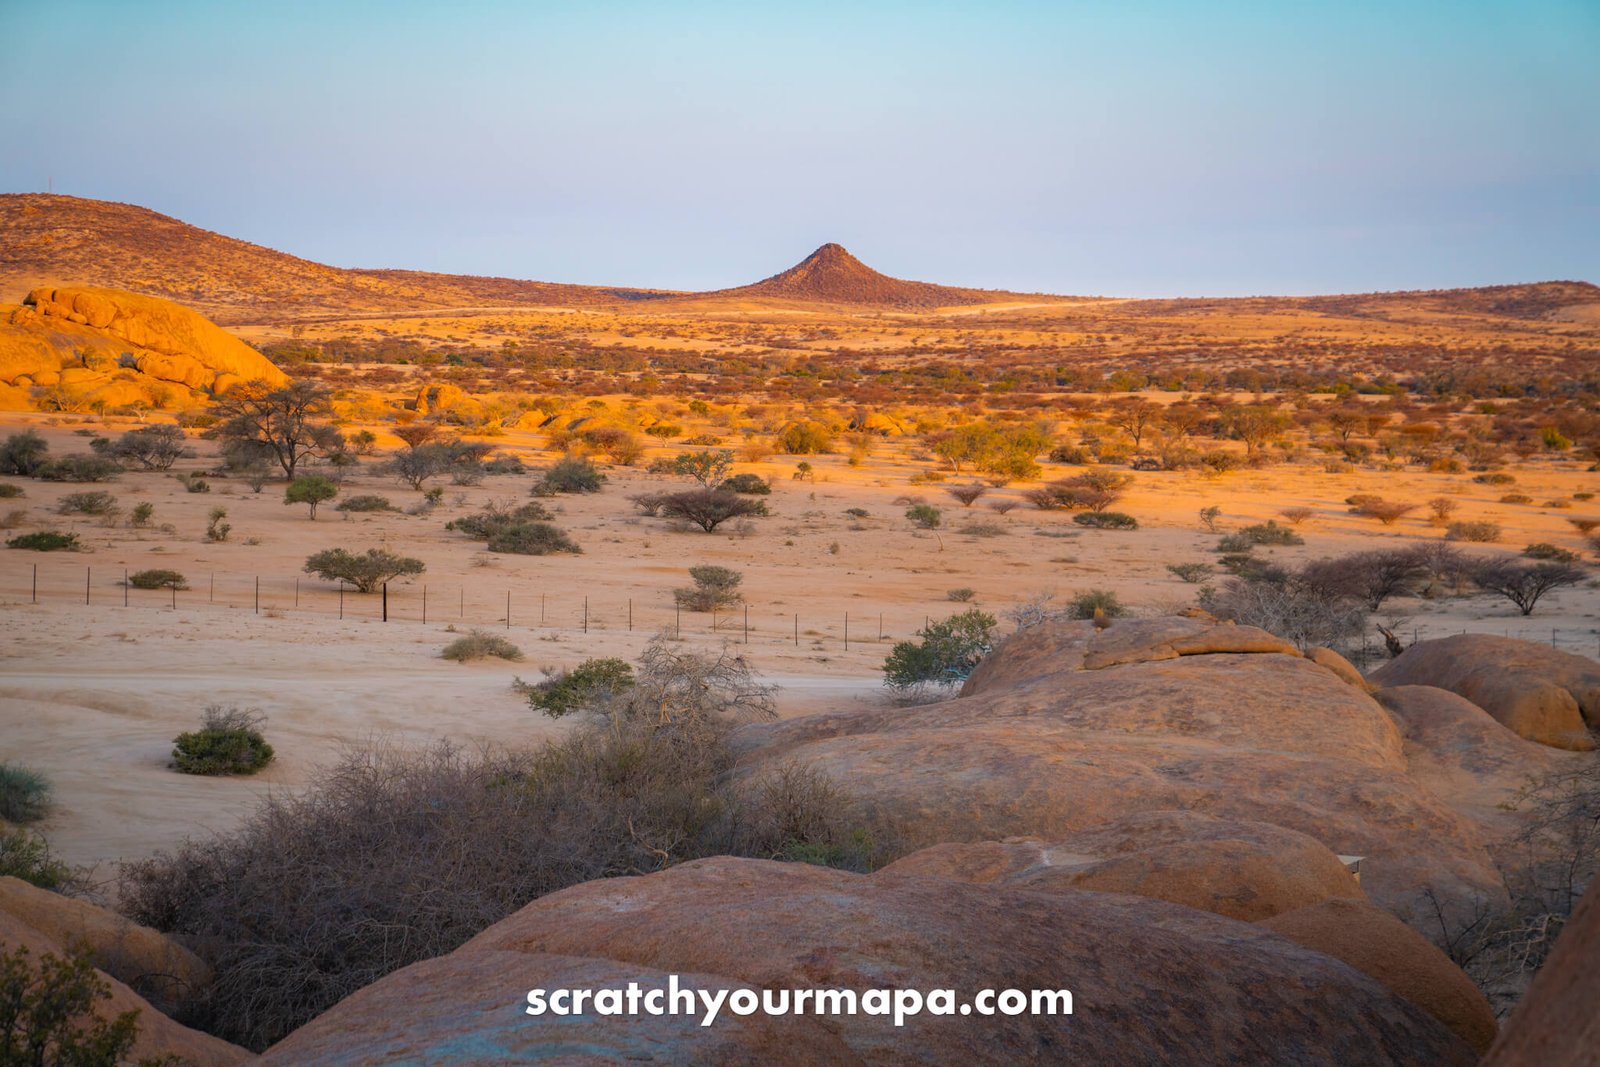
<point x="1556" y="1024"/>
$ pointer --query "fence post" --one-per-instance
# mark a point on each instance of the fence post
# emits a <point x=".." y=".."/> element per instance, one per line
<point x="211" y="597"/>
<point x="125" y="589"/>
<point x="463" y="602"/>
<point x="747" y="624"/>
<point x="880" y="626"/>
<point x="86" y="572"/>
<point x="385" y="602"/>
<point x="585" y="614"/>
<point x="677" y="625"/>
<point x="424" y="605"/>
<point x="508" y="609"/>
<point x="341" y="598"/>
<point x="258" y="594"/>
<point x="297" y="592"/>
<point x="630" y="615"/>
<point x="174" y="596"/>
<point x="35" y="583"/>
<point x="797" y="629"/>
<point x="541" y="609"/>
<point x="847" y="631"/>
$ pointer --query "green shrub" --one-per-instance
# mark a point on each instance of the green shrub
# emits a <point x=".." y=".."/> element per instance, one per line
<point x="141" y="513"/>
<point x="158" y="579"/>
<point x="570" y="474"/>
<point x="749" y="484"/>
<point x="1516" y="498"/>
<point x="47" y="1013"/>
<point x="714" y="587"/>
<point x="1494" y="479"/>
<point x="24" y="454"/>
<point x="311" y="490"/>
<point x="496" y="517"/>
<point x="1192" y="573"/>
<point x="229" y="741"/>
<point x="95" y="503"/>
<point x="1269" y="533"/>
<point x="1096" y="602"/>
<point x="588" y="685"/>
<point x="805" y="438"/>
<point x="1106" y="520"/>
<point x="946" y="655"/>
<point x="9" y="490"/>
<point x="479" y="644"/>
<point x="24" y="793"/>
<point x="45" y="541"/>
<point x="1472" y="531"/>
<point x="366" y="502"/>
<point x="79" y="467"/>
<point x="532" y="539"/>
<point x="26" y="855"/>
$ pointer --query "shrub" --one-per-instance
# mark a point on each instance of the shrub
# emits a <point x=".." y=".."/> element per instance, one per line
<point x="311" y="490"/>
<point x="714" y="587"/>
<point x="532" y="539"/>
<point x="709" y="508"/>
<point x="79" y="467"/>
<point x="946" y="655"/>
<point x="1516" y="498"/>
<point x="590" y="684"/>
<point x="805" y="438"/>
<point x="229" y="741"/>
<point x="1496" y="478"/>
<point x="1192" y="573"/>
<point x="216" y="528"/>
<point x="95" y="503"/>
<point x="1545" y="551"/>
<point x="23" y="454"/>
<point x="707" y="468"/>
<point x="1370" y="577"/>
<point x="47" y="1013"/>
<point x="498" y="516"/>
<point x="570" y="474"/>
<point x="1106" y="520"/>
<point x="479" y="644"/>
<point x="157" y="579"/>
<point x="1002" y="507"/>
<point x="1524" y="584"/>
<point x="1268" y="533"/>
<point x="366" y="571"/>
<point x="1095" y="603"/>
<point x="1294" y="611"/>
<point x="155" y="448"/>
<point x="967" y="494"/>
<point x="365" y="502"/>
<point x="924" y="516"/>
<point x="141" y="513"/>
<point x="1472" y="531"/>
<point x="26" y="855"/>
<point x="505" y="465"/>
<point x="664" y="430"/>
<point x="45" y="541"/>
<point x="193" y="483"/>
<point x="24" y="793"/>
<point x="1388" y="512"/>
<point x="1296" y="516"/>
<point x="1442" y="508"/>
<point x="962" y="595"/>
<point x="9" y="490"/>
<point x="748" y="484"/>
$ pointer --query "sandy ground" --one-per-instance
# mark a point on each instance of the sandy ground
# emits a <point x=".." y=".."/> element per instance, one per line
<point x="92" y="694"/>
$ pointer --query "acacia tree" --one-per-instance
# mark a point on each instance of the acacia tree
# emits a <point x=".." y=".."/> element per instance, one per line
<point x="310" y="490"/>
<point x="367" y="571"/>
<point x="708" y="508"/>
<point x="283" y="422"/>
<point x="1524" y="583"/>
<point x="1135" y="418"/>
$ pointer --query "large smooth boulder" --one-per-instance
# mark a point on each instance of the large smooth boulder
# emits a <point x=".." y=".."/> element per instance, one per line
<point x="1041" y="747"/>
<point x="1556" y="1024"/>
<point x="1377" y="944"/>
<point x="158" y="1036"/>
<point x="1538" y="692"/>
<point x="1244" y="870"/>
<point x="1151" y="982"/>
<point x="159" y="968"/>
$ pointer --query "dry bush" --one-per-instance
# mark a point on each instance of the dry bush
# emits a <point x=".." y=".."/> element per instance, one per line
<point x="1296" y="516"/>
<point x="479" y="644"/>
<point x="1387" y="512"/>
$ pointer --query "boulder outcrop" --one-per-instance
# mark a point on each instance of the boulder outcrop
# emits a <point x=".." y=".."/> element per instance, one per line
<point x="1151" y="982"/>
<point x="158" y="968"/>
<point x="1556" y="1024"/>
<point x="159" y="1036"/>
<point x="1540" y="693"/>
<point x="1040" y="745"/>
<point x="108" y="347"/>
<point x="1244" y="870"/>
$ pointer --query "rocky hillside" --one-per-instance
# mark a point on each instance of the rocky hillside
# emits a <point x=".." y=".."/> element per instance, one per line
<point x="831" y="275"/>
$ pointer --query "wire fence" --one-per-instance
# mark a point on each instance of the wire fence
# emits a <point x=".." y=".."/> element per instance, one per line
<point x="479" y="606"/>
<point x="490" y="605"/>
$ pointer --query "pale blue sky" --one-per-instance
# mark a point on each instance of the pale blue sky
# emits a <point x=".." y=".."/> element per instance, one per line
<point x="1135" y="148"/>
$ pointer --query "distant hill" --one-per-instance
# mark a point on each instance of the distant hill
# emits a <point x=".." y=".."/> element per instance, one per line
<point x="66" y="240"/>
<point x="831" y="275"/>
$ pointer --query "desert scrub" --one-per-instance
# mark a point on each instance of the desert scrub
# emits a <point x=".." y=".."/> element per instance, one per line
<point x="592" y="683"/>
<point x="1192" y="573"/>
<point x="365" y="502"/>
<point x="496" y="517"/>
<point x="1095" y="603"/>
<point x="142" y="511"/>
<point x="1269" y="533"/>
<point x="532" y="539"/>
<point x="158" y="578"/>
<point x="229" y="741"/>
<point x="479" y="644"/>
<point x="47" y="1013"/>
<point x="749" y="484"/>
<point x="80" y="467"/>
<point x="946" y="655"/>
<point x="95" y="503"/>
<point x="26" y="855"/>
<point x="570" y="474"/>
<point x="45" y="541"/>
<point x="24" y="793"/>
<point x="9" y="490"/>
<point x="1472" y="531"/>
<point x="1106" y="520"/>
<point x="714" y="587"/>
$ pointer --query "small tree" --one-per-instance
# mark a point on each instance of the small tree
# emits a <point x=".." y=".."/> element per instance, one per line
<point x="1525" y="583"/>
<point x="714" y="587"/>
<point x="967" y="494"/>
<point x="282" y="422"/>
<point x="367" y="571"/>
<point x="708" y="508"/>
<point x="216" y="528"/>
<point x="570" y="474"/>
<point x="707" y="468"/>
<point x="154" y="448"/>
<point x="47" y="1014"/>
<point x="311" y="490"/>
<point x="24" y="453"/>
<point x="926" y="517"/>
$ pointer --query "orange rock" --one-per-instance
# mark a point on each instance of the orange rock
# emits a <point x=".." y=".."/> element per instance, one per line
<point x="1555" y="1024"/>
<point x="1376" y="943"/>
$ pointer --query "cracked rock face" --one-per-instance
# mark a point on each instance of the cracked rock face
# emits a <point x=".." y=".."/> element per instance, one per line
<point x="1066" y="727"/>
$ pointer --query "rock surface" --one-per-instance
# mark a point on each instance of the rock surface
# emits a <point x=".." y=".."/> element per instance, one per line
<point x="158" y="1035"/>
<point x="1244" y="870"/>
<point x="1556" y="1024"/>
<point x="158" y="968"/>
<point x="110" y="348"/>
<point x="1540" y="693"/>
<point x="1151" y="982"/>
<point x="1377" y="944"/>
<point x="1040" y="747"/>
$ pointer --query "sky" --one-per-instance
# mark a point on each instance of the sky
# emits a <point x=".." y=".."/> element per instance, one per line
<point x="1138" y="148"/>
